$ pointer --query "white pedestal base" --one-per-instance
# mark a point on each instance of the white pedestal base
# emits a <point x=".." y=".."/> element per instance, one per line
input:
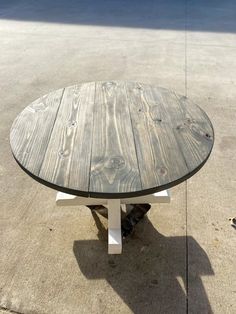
<point x="114" y="211"/>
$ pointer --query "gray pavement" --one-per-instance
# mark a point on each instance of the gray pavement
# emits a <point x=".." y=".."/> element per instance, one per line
<point x="181" y="258"/>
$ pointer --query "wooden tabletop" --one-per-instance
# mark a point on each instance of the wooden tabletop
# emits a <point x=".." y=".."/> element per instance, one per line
<point x="111" y="139"/>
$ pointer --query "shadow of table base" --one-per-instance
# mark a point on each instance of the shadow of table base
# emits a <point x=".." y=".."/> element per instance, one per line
<point x="151" y="273"/>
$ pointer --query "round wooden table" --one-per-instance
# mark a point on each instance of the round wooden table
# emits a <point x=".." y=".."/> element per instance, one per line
<point x="111" y="140"/>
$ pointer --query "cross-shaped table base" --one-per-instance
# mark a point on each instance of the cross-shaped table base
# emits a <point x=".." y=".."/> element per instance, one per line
<point x="114" y="212"/>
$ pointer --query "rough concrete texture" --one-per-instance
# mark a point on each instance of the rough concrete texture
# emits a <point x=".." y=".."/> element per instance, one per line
<point x="181" y="258"/>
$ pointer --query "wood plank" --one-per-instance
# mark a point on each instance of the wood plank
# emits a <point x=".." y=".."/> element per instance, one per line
<point x="159" y="156"/>
<point x="193" y="132"/>
<point x="28" y="144"/>
<point x="190" y="126"/>
<point x="114" y="166"/>
<point x="67" y="159"/>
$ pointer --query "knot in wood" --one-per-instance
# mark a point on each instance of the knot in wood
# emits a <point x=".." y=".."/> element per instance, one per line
<point x="137" y="90"/>
<point x="162" y="171"/>
<point x="208" y="136"/>
<point x="63" y="153"/>
<point x="155" y="113"/>
<point x="38" y="107"/>
<point x="189" y="121"/>
<point x="109" y="84"/>
<point x="116" y="162"/>
<point x="72" y="123"/>
<point x="180" y="127"/>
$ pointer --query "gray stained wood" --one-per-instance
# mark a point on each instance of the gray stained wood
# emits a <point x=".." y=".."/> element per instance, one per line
<point x="111" y="139"/>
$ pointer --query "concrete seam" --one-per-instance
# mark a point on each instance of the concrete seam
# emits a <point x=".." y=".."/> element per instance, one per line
<point x="186" y="184"/>
<point x="187" y="245"/>
<point x="185" y="50"/>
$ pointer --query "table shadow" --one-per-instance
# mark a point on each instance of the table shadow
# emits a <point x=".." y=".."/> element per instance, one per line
<point x="150" y="274"/>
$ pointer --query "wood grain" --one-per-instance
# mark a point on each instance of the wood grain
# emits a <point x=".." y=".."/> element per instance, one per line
<point x="111" y="139"/>
<point x="193" y="132"/>
<point x="31" y="131"/>
<point x="114" y="165"/>
<point x="159" y="156"/>
<point x="67" y="158"/>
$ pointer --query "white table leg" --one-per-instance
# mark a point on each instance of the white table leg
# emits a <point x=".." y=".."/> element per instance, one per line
<point x="114" y="227"/>
<point x="114" y="212"/>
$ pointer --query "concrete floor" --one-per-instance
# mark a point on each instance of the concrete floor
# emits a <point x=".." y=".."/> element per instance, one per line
<point x="181" y="258"/>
